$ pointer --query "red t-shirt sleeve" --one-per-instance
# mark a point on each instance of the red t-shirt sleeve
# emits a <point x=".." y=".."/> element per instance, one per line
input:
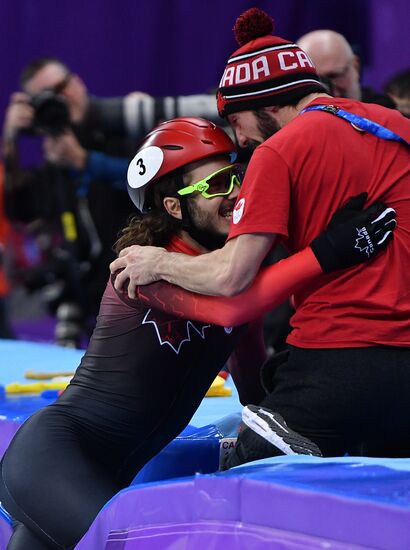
<point x="272" y="286"/>
<point x="264" y="201"/>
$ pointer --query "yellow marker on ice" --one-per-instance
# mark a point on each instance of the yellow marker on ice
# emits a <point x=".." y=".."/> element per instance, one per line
<point x="36" y="387"/>
<point x="218" y="388"/>
<point x="35" y="375"/>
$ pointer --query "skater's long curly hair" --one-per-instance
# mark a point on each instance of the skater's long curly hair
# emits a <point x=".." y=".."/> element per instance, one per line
<point x="154" y="227"/>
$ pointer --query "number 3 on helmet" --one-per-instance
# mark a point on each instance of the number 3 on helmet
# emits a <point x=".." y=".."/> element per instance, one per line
<point x="172" y="145"/>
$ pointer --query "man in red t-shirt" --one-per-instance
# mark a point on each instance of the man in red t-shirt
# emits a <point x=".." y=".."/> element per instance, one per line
<point x="346" y="379"/>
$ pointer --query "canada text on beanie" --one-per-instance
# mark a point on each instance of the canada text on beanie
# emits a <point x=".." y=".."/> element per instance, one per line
<point x="265" y="70"/>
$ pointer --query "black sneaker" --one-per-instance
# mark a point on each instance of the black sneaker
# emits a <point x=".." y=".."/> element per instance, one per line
<point x="272" y="427"/>
<point x="249" y="447"/>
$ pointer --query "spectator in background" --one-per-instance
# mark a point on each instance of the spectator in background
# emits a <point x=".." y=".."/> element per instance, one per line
<point x="336" y="62"/>
<point x="5" y="327"/>
<point x="398" y="88"/>
<point x="88" y="142"/>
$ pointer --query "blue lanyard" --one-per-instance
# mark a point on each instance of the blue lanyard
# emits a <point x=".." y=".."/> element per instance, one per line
<point x="359" y="122"/>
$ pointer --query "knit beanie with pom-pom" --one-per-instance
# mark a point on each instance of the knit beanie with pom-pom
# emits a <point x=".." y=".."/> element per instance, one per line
<point x="266" y="70"/>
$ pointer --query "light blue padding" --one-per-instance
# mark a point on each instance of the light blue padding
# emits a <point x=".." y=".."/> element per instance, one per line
<point x="357" y="461"/>
<point x="17" y="357"/>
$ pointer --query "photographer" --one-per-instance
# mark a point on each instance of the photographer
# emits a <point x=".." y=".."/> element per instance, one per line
<point x="77" y="218"/>
<point x="79" y="192"/>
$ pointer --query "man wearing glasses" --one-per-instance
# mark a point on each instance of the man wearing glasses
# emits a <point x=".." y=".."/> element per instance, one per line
<point x="337" y="64"/>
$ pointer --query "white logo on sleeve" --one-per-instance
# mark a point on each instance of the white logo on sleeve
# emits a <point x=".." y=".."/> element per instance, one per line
<point x="144" y="166"/>
<point x="238" y="211"/>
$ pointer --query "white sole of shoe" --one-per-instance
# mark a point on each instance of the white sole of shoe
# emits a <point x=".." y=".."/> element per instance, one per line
<point x="273" y="428"/>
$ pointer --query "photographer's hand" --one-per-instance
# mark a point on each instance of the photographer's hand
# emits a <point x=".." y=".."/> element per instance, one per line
<point x="65" y="150"/>
<point x="19" y="116"/>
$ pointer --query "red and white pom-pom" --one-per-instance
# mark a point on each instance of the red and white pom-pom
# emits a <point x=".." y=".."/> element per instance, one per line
<point x="252" y="24"/>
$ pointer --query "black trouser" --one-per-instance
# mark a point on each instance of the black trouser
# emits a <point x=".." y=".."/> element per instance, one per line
<point x="352" y="400"/>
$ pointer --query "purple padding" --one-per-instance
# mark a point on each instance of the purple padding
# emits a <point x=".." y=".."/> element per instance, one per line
<point x="7" y="430"/>
<point x="215" y="535"/>
<point x="13" y="412"/>
<point x="188" y="516"/>
<point x="38" y="330"/>
<point x="5" y="528"/>
<point x="227" y="511"/>
<point x="5" y="533"/>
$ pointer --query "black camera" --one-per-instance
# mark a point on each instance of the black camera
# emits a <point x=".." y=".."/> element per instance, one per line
<point x="51" y="114"/>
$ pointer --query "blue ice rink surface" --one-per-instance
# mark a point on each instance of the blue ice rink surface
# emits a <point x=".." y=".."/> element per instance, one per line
<point x="17" y="357"/>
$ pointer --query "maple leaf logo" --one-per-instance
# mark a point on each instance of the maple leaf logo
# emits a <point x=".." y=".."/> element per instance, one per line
<point x="173" y="332"/>
<point x="364" y="242"/>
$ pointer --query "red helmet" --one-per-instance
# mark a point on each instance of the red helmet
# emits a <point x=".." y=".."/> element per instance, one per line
<point x="171" y="145"/>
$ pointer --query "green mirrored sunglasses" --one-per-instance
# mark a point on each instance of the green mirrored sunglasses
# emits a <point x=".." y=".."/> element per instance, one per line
<point x="217" y="184"/>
